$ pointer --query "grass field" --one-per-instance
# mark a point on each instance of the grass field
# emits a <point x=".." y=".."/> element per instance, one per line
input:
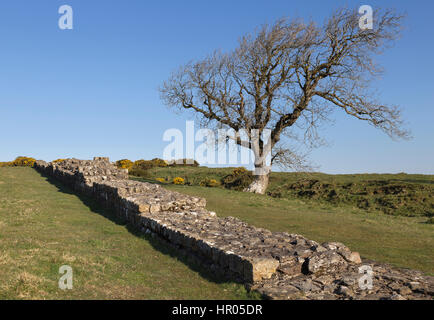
<point x="393" y="194"/>
<point x="44" y="226"/>
<point x="400" y="240"/>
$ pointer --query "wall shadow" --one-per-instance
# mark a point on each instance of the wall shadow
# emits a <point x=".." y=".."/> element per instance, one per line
<point x="165" y="249"/>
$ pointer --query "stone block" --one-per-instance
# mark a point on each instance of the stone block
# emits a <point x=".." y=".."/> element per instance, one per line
<point x="256" y="269"/>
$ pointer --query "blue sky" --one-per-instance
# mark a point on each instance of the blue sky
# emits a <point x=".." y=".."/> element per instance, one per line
<point x="93" y="90"/>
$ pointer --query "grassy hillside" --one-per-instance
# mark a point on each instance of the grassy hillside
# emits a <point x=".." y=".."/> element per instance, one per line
<point x="44" y="226"/>
<point x="393" y="194"/>
<point x="401" y="241"/>
<point x="396" y="239"/>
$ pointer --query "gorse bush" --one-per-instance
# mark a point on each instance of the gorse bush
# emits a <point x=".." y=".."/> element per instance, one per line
<point x="19" y="162"/>
<point x="143" y="164"/>
<point x="209" y="183"/>
<point x="178" y="180"/>
<point x="23" y="162"/>
<point x="156" y="162"/>
<point x="139" y="168"/>
<point x="239" y="171"/>
<point x="58" y="160"/>
<point x="239" y="179"/>
<point x="148" y="164"/>
<point x="124" y="164"/>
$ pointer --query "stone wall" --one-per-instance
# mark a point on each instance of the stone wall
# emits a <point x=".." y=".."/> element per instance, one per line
<point x="277" y="264"/>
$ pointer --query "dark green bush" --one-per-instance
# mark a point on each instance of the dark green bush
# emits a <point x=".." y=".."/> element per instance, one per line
<point x="143" y="164"/>
<point x="207" y="182"/>
<point x="239" y="179"/>
<point x="139" y="172"/>
<point x="157" y="162"/>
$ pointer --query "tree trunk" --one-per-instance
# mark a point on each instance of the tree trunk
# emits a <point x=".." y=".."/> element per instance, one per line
<point x="262" y="175"/>
<point x="259" y="185"/>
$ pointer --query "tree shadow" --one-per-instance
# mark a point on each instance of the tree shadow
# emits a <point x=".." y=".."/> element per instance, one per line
<point x="157" y="244"/>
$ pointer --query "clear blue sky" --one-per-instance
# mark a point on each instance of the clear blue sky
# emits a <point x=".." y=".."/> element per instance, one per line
<point x="93" y="90"/>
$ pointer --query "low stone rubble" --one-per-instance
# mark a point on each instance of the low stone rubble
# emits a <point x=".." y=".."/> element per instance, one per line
<point x="276" y="264"/>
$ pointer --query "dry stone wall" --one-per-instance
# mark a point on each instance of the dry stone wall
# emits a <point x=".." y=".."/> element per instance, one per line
<point x="276" y="264"/>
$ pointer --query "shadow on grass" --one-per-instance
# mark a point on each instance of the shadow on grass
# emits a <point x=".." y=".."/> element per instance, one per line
<point x="108" y="213"/>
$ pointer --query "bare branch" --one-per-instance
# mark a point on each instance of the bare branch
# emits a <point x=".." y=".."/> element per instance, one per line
<point x="290" y="76"/>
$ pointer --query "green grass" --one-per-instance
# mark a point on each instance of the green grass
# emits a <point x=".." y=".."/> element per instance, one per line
<point x="44" y="226"/>
<point x="196" y="174"/>
<point x="393" y="194"/>
<point x="396" y="239"/>
<point x="400" y="241"/>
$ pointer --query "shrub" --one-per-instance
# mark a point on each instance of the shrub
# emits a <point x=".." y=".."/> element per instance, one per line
<point x="23" y="162"/>
<point x="156" y="162"/>
<point x="138" y="172"/>
<point x="5" y="164"/>
<point x="124" y="164"/>
<point x="239" y="171"/>
<point x="143" y="164"/>
<point x="161" y="180"/>
<point x="239" y="179"/>
<point x="209" y="183"/>
<point x="140" y="167"/>
<point x="178" y="180"/>
<point x="58" y="160"/>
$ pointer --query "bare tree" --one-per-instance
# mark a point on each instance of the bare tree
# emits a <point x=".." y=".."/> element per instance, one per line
<point x="290" y="73"/>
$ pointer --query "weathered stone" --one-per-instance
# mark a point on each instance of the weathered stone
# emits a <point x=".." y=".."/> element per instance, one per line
<point x="396" y="296"/>
<point x="344" y="290"/>
<point x="277" y="264"/>
<point x="322" y="260"/>
<point x="144" y="207"/>
<point x="304" y="285"/>
<point x="291" y="266"/>
<point x="333" y="245"/>
<point x="405" y="291"/>
<point x="415" y="286"/>
<point x="324" y="279"/>
<point x="354" y="257"/>
<point x="256" y="269"/>
<point x="350" y="280"/>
